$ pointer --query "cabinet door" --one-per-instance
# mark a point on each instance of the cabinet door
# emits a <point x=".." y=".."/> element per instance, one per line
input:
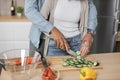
<point x="14" y="35"/>
<point x="21" y="32"/>
<point x="6" y="31"/>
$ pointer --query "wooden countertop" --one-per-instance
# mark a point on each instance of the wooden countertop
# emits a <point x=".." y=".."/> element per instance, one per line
<point x="13" y="19"/>
<point x="109" y="61"/>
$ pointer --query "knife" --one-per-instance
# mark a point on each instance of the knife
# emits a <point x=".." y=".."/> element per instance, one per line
<point x="44" y="62"/>
<point x="71" y="52"/>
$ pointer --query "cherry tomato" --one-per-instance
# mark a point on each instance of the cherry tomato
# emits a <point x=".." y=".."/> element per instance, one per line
<point x="17" y="62"/>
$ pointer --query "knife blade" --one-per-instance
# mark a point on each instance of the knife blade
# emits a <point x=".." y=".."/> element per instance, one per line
<point x="43" y="59"/>
<point x="71" y="52"/>
<point x="44" y="62"/>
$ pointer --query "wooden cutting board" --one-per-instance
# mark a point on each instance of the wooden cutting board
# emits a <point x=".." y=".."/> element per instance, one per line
<point x="57" y="62"/>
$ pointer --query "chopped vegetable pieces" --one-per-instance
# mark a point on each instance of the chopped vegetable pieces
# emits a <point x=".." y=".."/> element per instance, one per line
<point x="48" y="74"/>
<point x="26" y="61"/>
<point x="79" y="62"/>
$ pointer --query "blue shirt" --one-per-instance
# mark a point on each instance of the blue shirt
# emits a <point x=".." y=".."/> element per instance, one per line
<point x="39" y="24"/>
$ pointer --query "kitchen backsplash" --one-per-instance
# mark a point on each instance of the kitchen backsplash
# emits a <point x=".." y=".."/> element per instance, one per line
<point x="5" y="6"/>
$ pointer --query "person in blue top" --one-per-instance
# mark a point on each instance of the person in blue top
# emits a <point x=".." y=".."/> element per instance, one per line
<point x="71" y="26"/>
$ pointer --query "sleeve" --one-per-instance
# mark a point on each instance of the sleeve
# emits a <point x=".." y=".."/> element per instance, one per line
<point x="46" y="8"/>
<point x="33" y="14"/>
<point x="92" y="19"/>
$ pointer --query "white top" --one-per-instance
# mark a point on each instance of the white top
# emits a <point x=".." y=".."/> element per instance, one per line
<point x="66" y="17"/>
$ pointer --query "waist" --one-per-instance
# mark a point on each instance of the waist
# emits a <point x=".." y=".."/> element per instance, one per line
<point x="68" y="29"/>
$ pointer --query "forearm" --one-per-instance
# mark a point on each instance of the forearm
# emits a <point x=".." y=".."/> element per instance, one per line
<point x="36" y="17"/>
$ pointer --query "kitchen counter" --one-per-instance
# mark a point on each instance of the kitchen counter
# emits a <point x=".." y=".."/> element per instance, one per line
<point x="13" y="19"/>
<point x="110" y="70"/>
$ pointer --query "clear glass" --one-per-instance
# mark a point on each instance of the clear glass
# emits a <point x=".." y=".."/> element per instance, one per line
<point x="20" y="63"/>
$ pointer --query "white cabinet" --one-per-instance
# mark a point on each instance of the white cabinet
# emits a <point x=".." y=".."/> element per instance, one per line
<point x="14" y="35"/>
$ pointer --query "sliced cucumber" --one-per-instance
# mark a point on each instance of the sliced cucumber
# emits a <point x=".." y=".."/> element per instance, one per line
<point x="90" y="62"/>
<point x="79" y="66"/>
<point x="86" y="62"/>
<point x="76" y="63"/>
<point x="79" y="57"/>
<point x="96" y="63"/>
<point x="78" y="53"/>
<point x="79" y="62"/>
<point x="65" y="64"/>
<point x="71" y="62"/>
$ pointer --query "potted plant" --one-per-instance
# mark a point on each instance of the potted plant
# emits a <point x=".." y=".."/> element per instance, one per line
<point x="19" y="10"/>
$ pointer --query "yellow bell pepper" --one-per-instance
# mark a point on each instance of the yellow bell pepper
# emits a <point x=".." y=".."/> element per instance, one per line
<point x="87" y="74"/>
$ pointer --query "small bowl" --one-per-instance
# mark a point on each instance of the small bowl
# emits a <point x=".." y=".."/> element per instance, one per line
<point x="56" y="72"/>
<point x="20" y="63"/>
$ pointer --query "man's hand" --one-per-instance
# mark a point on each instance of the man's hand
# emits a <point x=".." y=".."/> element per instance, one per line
<point x="59" y="39"/>
<point x="86" y="44"/>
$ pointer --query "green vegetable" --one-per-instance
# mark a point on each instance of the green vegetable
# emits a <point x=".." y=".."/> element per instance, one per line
<point x="96" y="63"/>
<point x="65" y="64"/>
<point x="79" y="66"/>
<point x="79" y="62"/>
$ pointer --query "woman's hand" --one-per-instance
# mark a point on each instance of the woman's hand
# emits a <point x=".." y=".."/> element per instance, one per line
<point x="86" y="44"/>
<point x="59" y="39"/>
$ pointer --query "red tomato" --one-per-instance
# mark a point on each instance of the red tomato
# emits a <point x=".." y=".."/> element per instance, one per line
<point x="51" y="74"/>
<point x="48" y="74"/>
<point x="45" y="73"/>
<point x="17" y="62"/>
<point x="29" y="60"/>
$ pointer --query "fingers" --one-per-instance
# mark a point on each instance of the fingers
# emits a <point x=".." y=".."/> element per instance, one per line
<point x="84" y="49"/>
<point x="61" y="46"/>
<point x="59" y="39"/>
<point x="86" y="44"/>
<point x="66" y="45"/>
